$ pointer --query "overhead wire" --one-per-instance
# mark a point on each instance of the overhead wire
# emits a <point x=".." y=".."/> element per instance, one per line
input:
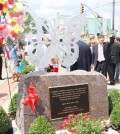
<point x="107" y="4"/>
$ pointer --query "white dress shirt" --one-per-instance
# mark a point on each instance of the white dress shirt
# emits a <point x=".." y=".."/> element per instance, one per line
<point x="100" y="53"/>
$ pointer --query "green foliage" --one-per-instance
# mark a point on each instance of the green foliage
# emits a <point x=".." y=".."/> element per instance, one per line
<point x="28" y="69"/>
<point x="5" y="123"/>
<point x="41" y="126"/>
<point x="89" y="126"/>
<point x="114" y="98"/>
<point x="82" y="124"/>
<point x="110" y="105"/>
<point x="29" y="22"/>
<point x="27" y="62"/>
<point x="13" y="105"/>
<point x="115" y="115"/>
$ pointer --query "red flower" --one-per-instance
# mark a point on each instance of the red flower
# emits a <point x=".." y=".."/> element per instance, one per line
<point x="13" y="23"/>
<point x="2" y="27"/>
<point x="73" y="130"/>
<point x="14" y="14"/>
<point x="84" y="118"/>
<point x="62" y="127"/>
<point x="1" y="41"/>
<point x="5" y="5"/>
<point x="71" y="116"/>
<point x="14" y="35"/>
<point x="1" y="6"/>
<point x="67" y="125"/>
<point x="11" y="2"/>
<point x="85" y="114"/>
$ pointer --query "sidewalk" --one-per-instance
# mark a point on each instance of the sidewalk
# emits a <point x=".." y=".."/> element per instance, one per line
<point x="7" y="86"/>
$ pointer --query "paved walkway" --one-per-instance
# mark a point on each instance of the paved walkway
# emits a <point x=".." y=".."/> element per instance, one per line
<point x="7" y="87"/>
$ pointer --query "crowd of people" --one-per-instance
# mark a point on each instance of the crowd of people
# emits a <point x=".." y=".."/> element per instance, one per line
<point x="15" y="61"/>
<point x="103" y="56"/>
<point x="98" y="55"/>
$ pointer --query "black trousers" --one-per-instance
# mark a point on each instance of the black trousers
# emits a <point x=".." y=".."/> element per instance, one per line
<point x="101" y="67"/>
<point x="111" y="71"/>
<point x="0" y="67"/>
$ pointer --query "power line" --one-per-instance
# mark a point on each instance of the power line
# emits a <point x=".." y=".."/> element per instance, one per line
<point x="118" y="2"/>
<point x="103" y="5"/>
<point x="99" y="6"/>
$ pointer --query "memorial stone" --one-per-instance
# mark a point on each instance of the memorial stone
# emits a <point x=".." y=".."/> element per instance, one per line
<point x="62" y="94"/>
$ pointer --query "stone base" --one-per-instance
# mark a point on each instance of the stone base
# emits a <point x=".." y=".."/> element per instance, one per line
<point x="98" y="95"/>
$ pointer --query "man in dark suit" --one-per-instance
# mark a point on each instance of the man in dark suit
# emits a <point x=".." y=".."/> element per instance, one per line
<point x="84" y="59"/>
<point x="113" y="58"/>
<point x="1" y="55"/>
<point x="100" y="56"/>
<point x="118" y="64"/>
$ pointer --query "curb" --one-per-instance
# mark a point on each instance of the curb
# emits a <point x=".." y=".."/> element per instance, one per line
<point x="15" y="128"/>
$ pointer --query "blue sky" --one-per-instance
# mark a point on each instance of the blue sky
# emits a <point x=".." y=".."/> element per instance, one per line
<point x="50" y="8"/>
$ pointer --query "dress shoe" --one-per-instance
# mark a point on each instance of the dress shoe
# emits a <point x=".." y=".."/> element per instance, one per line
<point x="111" y="83"/>
<point x="1" y="79"/>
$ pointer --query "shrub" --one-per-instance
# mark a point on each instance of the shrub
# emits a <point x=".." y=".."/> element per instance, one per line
<point x="115" y="115"/>
<point x="41" y="126"/>
<point x="13" y="105"/>
<point x="27" y="62"/>
<point x="82" y="124"/>
<point x="5" y="123"/>
<point x="110" y="105"/>
<point x="28" y="69"/>
<point x="114" y="98"/>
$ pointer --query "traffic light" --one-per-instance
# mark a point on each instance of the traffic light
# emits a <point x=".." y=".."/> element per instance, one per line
<point x="81" y="9"/>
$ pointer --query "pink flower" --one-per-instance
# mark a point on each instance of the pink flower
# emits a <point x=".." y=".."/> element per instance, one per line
<point x="62" y="127"/>
<point x="85" y="114"/>
<point x="67" y="121"/>
<point x="71" y="115"/>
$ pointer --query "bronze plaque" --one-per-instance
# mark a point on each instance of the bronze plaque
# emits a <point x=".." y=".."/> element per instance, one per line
<point x="67" y="100"/>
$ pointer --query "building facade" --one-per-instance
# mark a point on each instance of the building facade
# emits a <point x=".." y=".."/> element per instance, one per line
<point x="94" y="26"/>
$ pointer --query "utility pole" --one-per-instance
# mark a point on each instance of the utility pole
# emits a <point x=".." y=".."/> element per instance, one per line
<point x="113" y="16"/>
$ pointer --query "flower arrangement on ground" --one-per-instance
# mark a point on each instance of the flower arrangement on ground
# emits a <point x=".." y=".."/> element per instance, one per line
<point x="82" y="124"/>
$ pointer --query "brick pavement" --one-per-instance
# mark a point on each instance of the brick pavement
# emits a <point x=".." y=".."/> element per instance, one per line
<point x="4" y="89"/>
